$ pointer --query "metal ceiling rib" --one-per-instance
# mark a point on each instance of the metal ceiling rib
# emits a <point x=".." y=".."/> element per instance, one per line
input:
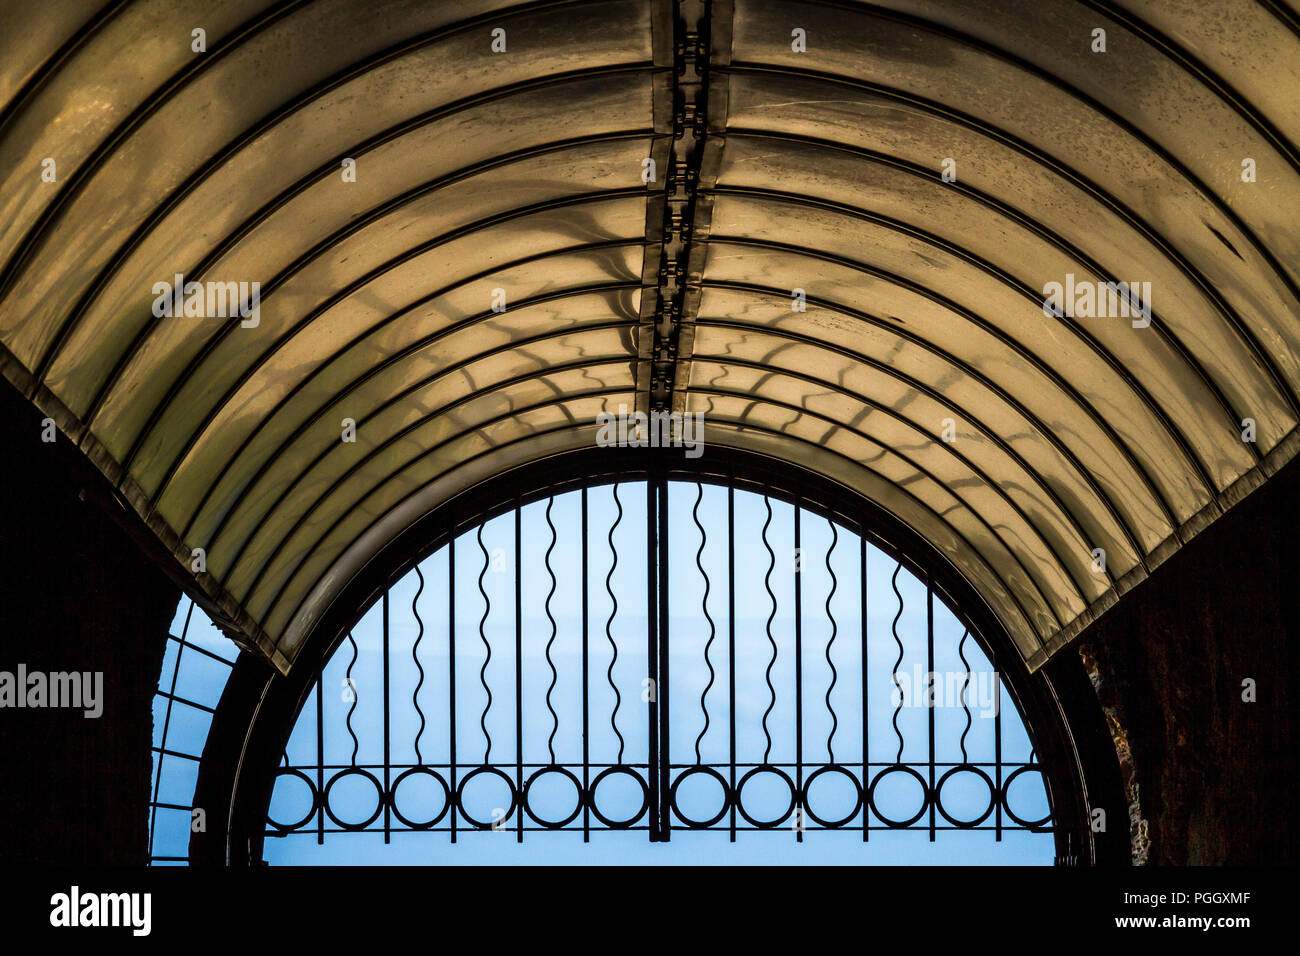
<point x="797" y="267"/>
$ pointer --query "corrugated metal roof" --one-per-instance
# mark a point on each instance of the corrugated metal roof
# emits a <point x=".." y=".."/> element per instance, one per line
<point x="804" y="143"/>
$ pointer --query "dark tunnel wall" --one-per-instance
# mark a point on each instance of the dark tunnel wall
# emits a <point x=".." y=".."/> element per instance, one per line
<point x="1214" y="773"/>
<point x="79" y="595"/>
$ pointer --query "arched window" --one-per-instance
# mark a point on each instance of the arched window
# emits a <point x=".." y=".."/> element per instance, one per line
<point x="677" y="668"/>
<point x="196" y="665"/>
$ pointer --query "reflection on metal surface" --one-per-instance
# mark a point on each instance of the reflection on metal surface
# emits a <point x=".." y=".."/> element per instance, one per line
<point x="459" y="251"/>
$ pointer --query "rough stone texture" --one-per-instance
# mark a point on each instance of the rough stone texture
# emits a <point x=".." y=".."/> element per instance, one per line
<point x="1112" y="706"/>
<point x="78" y="595"/>
<point x="1214" y="773"/>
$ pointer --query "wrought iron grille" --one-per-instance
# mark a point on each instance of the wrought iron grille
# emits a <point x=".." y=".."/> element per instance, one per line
<point x="659" y="656"/>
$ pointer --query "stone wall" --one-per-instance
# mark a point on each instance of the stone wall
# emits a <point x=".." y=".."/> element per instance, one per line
<point x="1213" y="773"/>
<point x="79" y="595"/>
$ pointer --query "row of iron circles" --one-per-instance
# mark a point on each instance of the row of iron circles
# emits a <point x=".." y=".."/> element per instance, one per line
<point x="799" y="797"/>
<point x="585" y="797"/>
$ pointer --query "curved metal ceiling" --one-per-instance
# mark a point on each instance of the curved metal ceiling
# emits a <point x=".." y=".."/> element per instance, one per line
<point x="804" y="146"/>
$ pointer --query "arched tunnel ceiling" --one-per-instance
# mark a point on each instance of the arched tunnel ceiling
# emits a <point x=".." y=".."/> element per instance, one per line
<point x="521" y="170"/>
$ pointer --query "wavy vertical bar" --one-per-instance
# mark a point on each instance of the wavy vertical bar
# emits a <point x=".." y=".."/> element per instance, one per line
<point x="555" y="676"/>
<point x="898" y="704"/>
<point x="482" y="636"/>
<point x="704" y="606"/>
<point x="609" y="634"/>
<point x="347" y="678"/>
<point x="961" y="652"/>
<point x="835" y="629"/>
<point x="767" y="583"/>
<point x="415" y="659"/>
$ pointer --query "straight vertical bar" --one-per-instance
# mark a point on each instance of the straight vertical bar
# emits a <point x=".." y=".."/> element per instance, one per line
<point x="665" y="711"/>
<point x="866" y="737"/>
<point x="930" y="690"/>
<point x="997" y="751"/>
<point x="320" y="754"/>
<point x="586" y="749"/>
<point x="387" y="738"/>
<point x="798" y="671"/>
<point x="731" y="641"/>
<point x="519" y="679"/>
<point x="451" y="674"/>
<point x="652" y="659"/>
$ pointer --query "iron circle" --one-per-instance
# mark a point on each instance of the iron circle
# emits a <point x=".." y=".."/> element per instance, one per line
<point x="621" y="770"/>
<point x="740" y="802"/>
<point x="577" y="785"/>
<point x="938" y="795"/>
<point x="446" y="797"/>
<point x="460" y="796"/>
<point x="1006" y="803"/>
<point x="315" y="801"/>
<point x="379" y="797"/>
<point x="925" y="799"/>
<point x="807" y="803"/>
<point x="726" y="798"/>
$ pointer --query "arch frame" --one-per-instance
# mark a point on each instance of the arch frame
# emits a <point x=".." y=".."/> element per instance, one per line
<point x="260" y="705"/>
